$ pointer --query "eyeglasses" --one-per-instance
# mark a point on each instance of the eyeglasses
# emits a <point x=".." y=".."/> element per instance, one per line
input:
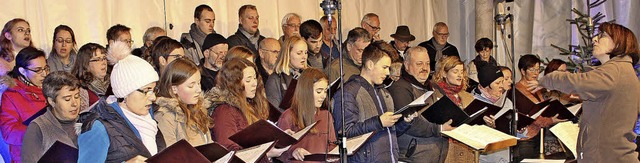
<point x="176" y="56"/>
<point x="535" y="70"/>
<point x="40" y="70"/>
<point x="60" y="41"/>
<point x="293" y="25"/>
<point x="98" y="59"/>
<point x="148" y="91"/>
<point x="271" y="51"/>
<point x="442" y="34"/>
<point x="127" y="41"/>
<point x="373" y="27"/>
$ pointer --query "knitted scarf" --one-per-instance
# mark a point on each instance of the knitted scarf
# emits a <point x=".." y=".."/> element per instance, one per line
<point x="484" y="92"/>
<point x="451" y="91"/>
<point x="197" y="35"/>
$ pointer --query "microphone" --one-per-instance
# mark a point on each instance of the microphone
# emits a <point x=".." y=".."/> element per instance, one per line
<point x="328" y="6"/>
<point x="501" y="17"/>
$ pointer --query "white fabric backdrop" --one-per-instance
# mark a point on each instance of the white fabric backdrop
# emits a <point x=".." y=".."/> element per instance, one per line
<point x="538" y="23"/>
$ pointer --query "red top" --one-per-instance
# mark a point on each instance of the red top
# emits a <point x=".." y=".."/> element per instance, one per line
<point x="315" y="142"/>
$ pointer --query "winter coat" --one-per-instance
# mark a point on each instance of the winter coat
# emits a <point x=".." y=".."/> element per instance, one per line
<point x="19" y="103"/>
<point x="350" y="68"/>
<point x="430" y="146"/>
<point x="108" y="136"/>
<point x="609" y="112"/>
<point x="239" y="39"/>
<point x="448" y="50"/>
<point x="173" y="123"/>
<point x="276" y="87"/>
<point x="363" y="105"/>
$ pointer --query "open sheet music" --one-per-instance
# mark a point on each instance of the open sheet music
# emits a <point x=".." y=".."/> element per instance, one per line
<point x="417" y="103"/>
<point x="567" y="132"/>
<point x="353" y="144"/>
<point x="253" y="154"/>
<point x="264" y="131"/>
<point x="480" y="137"/>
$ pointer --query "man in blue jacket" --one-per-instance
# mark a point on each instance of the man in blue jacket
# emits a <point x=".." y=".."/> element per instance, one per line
<point x="368" y="107"/>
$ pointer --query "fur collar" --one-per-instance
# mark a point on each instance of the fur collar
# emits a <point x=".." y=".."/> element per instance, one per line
<point x="171" y="104"/>
<point x="219" y="96"/>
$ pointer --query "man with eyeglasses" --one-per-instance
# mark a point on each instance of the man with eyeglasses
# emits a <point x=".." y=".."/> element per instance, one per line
<point x="203" y="22"/>
<point x="215" y="49"/>
<point x="269" y="50"/>
<point x="437" y="46"/>
<point x="357" y="39"/>
<point x="401" y="40"/>
<point x="248" y="34"/>
<point x="371" y="23"/>
<point x="290" y="26"/>
<point x="121" y="33"/>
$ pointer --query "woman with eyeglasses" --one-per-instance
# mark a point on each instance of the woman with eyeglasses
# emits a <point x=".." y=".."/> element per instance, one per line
<point x="63" y="53"/>
<point x="291" y="61"/>
<point x="123" y="130"/>
<point x="305" y="110"/>
<point x="91" y="69"/>
<point x="610" y="93"/>
<point x="182" y="109"/>
<point x="25" y="99"/>
<point x="530" y="68"/>
<point x="163" y="51"/>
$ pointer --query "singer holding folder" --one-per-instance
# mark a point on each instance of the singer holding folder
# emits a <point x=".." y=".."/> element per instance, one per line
<point x="610" y="93"/>
<point x="240" y="98"/>
<point x="368" y="107"/>
<point x="310" y="94"/>
<point x="422" y="142"/>
<point x="62" y="91"/>
<point x="450" y="79"/>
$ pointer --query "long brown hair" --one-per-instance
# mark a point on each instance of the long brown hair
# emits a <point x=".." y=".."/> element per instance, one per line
<point x="624" y="39"/>
<point x="59" y="29"/>
<point x="447" y="63"/>
<point x="302" y="104"/>
<point x="6" y="47"/>
<point x="230" y="79"/>
<point x="176" y="73"/>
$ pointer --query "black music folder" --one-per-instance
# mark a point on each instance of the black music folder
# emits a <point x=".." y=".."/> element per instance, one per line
<point x="60" y="153"/>
<point x="181" y="151"/>
<point x="263" y="132"/>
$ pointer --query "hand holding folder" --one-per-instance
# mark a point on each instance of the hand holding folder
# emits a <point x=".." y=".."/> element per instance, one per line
<point x="353" y="144"/>
<point x="60" y="153"/>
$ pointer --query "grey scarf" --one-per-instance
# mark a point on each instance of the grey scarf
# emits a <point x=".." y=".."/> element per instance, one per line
<point x="439" y="48"/>
<point x="99" y="86"/>
<point x="197" y="35"/>
<point x="252" y="38"/>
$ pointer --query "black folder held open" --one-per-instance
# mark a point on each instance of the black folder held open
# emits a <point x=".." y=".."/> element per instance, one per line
<point x="263" y="132"/>
<point x="353" y="144"/>
<point x="181" y="151"/>
<point x="60" y="153"/>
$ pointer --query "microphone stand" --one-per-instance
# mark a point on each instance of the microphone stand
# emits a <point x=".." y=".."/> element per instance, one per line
<point x="329" y="6"/>
<point x="501" y="21"/>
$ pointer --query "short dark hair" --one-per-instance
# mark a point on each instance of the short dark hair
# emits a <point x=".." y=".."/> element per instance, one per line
<point x="199" y="9"/>
<point x="554" y="65"/>
<point x="54" y="82"/>
<point x="310" y="29"/>
<point x="358" y="33"/>
<point x="483" y="43"/>
<point x="24" y="56"/>
<point x="245" y="7"/>
<point x="116" y="30"/>
<point x="527" y="61"/>
<point x="376" y="50"/>
<point x="162" y="46"/>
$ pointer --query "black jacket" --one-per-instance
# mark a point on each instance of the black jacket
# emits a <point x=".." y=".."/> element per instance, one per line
<point x="449" y="50"/>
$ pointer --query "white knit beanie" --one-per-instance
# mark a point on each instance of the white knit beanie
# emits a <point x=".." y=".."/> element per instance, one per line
<point x="129" y="72"/>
